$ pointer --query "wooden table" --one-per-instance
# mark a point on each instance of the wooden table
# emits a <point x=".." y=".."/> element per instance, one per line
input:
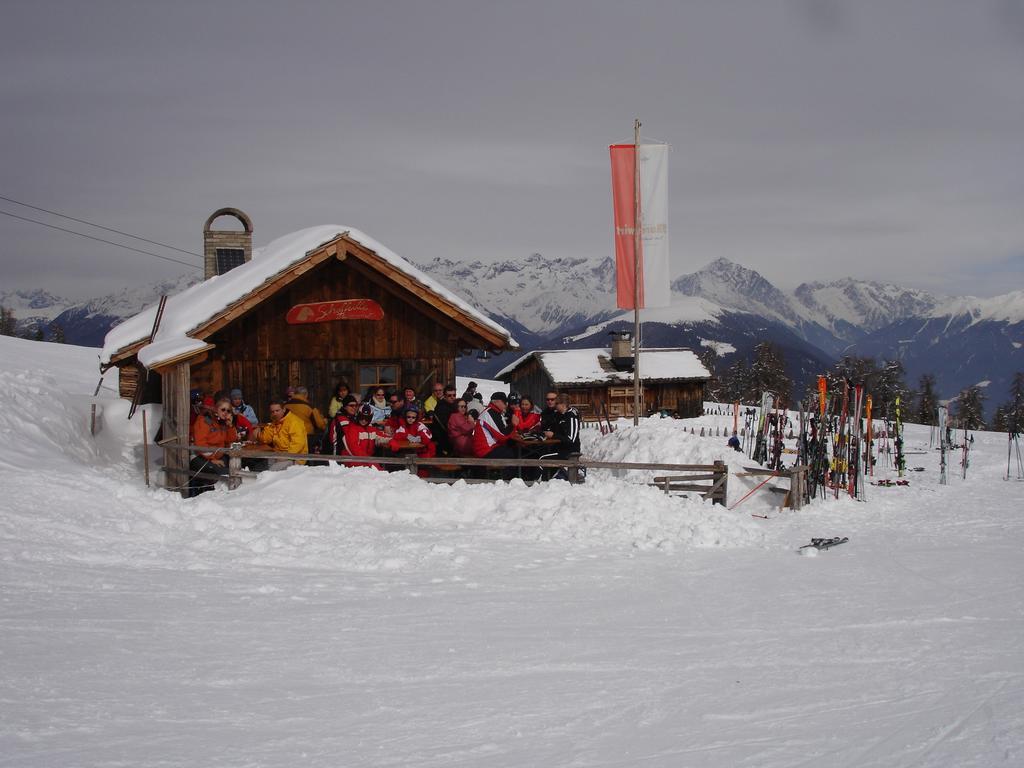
<point x="404" y="446"/>
<point x="531" y="449"/>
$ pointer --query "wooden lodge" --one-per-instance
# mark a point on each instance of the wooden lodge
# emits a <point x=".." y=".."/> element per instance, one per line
<point x="313" y="308"/>
<point x="672" y="380"/>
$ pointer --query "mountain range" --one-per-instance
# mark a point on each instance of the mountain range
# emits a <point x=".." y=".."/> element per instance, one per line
<point x="552" y="303"/>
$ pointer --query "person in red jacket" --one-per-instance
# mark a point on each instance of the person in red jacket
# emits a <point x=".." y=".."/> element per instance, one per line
<point x="529" y="419"/>
<point x="493" y="429"/>
<point x="414" y="435"/>
<point x="332" y="442"/>
<point x="360" y="438"/>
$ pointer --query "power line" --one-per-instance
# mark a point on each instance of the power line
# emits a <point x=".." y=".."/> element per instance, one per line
<point x="98" y="226"/>
<point x="100" y="240"/>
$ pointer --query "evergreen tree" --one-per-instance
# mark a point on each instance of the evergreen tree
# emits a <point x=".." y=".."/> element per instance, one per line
<point x="927" y="400"/>
<point x="8" y="325"/>
<point x="768" y="372"/>
<point x="1001" y="419"/>
<point x="38" y="335"/>
<point x="890" y="384"/>
<point x="57" y="334"/>
<point x="735" y="384"/>
<point x="856" y="370"/>
<point x="970" y="408"/>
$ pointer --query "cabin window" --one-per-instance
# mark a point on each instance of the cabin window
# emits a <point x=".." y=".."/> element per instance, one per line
<point x="229" y="258"/>
<point x="385" y="375"/>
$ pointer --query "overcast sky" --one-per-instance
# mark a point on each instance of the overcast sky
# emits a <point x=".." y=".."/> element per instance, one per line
<point x="810" y="139"/>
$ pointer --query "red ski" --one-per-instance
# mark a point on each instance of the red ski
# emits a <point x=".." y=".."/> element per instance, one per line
<point x="329" y="311"/>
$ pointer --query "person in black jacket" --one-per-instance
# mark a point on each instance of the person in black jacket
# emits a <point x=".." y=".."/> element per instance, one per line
<point x="442" y="412"/>
<point x="549" y="415"/>
<point x="565" y="428"/>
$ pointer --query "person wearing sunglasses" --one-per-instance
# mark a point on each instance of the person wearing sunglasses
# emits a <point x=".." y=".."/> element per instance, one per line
<point x="213" y="429"/>
<point x="549" y="414"/>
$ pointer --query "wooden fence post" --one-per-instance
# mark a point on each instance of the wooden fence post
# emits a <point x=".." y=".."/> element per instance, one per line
<point x="574" y="469"/>
<point x="722" y="495"/>
<point x="234" y="469"/>
<point x="145" y="444"/>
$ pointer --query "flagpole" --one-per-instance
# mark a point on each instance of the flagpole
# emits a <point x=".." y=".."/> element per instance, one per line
<point x="637" y="243"/>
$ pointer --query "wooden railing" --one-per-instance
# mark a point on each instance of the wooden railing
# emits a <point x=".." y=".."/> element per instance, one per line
<point x="716" y="473"/>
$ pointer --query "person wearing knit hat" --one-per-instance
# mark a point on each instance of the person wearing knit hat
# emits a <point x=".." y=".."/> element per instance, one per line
<point x="242" y="408"/>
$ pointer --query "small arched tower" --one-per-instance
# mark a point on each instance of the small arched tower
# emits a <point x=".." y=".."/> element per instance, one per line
<point x="225" y="249"/>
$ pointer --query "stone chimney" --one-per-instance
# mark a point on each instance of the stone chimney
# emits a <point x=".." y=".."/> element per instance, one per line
<point x="622" y="350"/>
<point x="224" y="249"/>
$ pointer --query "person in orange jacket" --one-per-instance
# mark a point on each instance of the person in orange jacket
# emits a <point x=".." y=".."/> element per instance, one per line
<point x="212" y="429"/>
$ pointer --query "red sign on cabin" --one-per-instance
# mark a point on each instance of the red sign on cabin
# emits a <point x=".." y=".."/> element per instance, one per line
<point x="328" y="311"/>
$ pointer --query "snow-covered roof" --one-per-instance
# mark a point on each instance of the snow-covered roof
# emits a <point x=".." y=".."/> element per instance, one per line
<point x="594" y="365"/>
<point x="189" y="310"/>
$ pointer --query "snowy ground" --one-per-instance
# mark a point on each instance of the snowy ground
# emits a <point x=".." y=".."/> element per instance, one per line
<point x="331" y="617"/>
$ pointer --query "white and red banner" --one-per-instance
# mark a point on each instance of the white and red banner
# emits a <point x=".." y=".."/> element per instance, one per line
<point x="652" y="259"/>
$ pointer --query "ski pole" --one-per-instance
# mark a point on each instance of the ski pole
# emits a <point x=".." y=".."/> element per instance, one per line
<point x="756" y="487"/>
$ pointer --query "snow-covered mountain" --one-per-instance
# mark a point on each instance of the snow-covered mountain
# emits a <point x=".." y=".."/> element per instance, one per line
<point x="33" y="308"/>
<point x="963" y="341"/>
<point x="562" y="301"/>
<point x="86" y="323"/>
<point x="541" y="296"/>
<point x="828" y="315"/>
<point x="852" y="308"/>
<point x="734" y="286"/>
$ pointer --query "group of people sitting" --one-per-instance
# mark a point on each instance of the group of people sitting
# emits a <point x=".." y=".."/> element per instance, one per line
<point x="384" y="423"/>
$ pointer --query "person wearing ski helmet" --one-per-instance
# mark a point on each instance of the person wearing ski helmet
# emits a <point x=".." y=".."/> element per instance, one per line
<point x="361" y="438"/>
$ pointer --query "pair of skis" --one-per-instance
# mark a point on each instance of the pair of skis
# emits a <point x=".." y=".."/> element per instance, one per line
<point x="821" y="544"/>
